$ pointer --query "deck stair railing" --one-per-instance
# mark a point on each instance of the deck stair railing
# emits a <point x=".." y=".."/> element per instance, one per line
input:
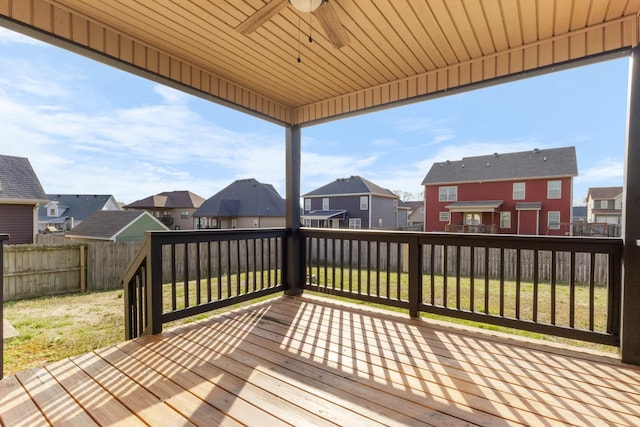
<point x="563" y="286"/>
<point x="177" y="274"/>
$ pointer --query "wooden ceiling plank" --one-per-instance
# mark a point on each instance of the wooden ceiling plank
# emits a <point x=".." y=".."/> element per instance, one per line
<point x="511" y="18"/>
<point x="545" y="25"/>
<point x="446" y="22"/>
<point x="529" y="21"/>
<point x="435" y="32"/>
<point x="497" y="29"/>
<point x="597" y="12"/>
<point x="407" y="34"/>
<point x="462" y="19"/>
<point x="477" y="16"/>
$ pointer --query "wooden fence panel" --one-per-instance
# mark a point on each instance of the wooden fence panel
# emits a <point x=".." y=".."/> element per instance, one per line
<point x="107" y="263"/>
<point x="37" y="270"/>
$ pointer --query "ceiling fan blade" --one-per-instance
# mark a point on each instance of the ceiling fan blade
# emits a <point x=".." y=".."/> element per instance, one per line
<point x="261" y="16"/>
<point x="331" y="24"/>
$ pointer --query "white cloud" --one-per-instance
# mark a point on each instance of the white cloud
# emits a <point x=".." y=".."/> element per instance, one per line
<point x="605" y="172"/>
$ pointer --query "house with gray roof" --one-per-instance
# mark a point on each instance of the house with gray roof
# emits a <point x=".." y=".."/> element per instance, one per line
<point x="355" y="203"/>
<point x="604" y="211"/>
<point x="116" y="226"/>
<point x="173" y="208"/>
<point x="65" y="211"/>
<point x="245" y="203"/>
<point x="20" y="195"/>
<point x="528" y="192"/>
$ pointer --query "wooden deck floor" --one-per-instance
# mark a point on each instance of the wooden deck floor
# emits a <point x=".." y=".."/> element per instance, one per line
<point x="311" y="361"/>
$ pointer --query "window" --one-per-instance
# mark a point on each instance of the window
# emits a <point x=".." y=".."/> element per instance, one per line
<point x="554" y="190"/>
<point x="472" y="218"/>
<point x="505" y="219"/>
<point x="518" y="191"/>
<point x="52" y="212"/>
<point x="553" y="220"/>
<point x="354" y="223"/>
<point x="379" y="222"/>
<point x="448" y="194"/>
<point x="255" y="223"/>
<point x="421" y="211"/>
<point x="307" y="222"/>
<point x="234" y="223"/>
<point x="307" y="204"/>
<point x="444" y="216"/>
<point x="325" y="203"/>
<point x="364" y="203"/>
<point x="185" y="214"/>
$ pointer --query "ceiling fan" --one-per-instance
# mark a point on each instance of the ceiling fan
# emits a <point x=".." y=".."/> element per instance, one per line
<point x="321" y="9"/>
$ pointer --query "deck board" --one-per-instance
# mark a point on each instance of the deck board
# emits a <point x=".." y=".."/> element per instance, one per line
<point x="312" y="361"/>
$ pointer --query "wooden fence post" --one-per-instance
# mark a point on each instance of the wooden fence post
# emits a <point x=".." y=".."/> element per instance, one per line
<point x="83" y="268"/>
<point x="415" y="277"/>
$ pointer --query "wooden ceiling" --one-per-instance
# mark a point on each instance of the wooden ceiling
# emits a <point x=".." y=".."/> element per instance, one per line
<point x="399" y="50"/>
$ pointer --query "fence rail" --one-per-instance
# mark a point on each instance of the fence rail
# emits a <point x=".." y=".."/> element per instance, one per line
<point x="181" y="274"/>
<point x="564" y="286"/>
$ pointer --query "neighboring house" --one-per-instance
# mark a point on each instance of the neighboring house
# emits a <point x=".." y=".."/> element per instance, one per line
<point x="604" y="205"/>
<point x="245" y="203"/>
<point x="20" y="195"/>
<point x="527" y="192"/>
<point x="116" y="226"/>
<point x="354" y="203"/>
<point x="65" y="211"/>
<point x="173" y="208"/>
<point x="416" y="212"/>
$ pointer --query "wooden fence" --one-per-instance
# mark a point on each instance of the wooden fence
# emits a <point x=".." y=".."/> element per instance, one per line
<point x="63" y="266"/>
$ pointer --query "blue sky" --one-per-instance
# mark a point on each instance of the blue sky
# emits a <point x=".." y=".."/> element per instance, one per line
<point x="91" y="129"/>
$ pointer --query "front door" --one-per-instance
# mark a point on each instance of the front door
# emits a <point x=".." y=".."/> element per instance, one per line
<point x="528" y="222"/>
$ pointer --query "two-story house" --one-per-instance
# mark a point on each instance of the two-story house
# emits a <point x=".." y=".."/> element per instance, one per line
<point x="65" y="211"/>
<point x="604" y="205"/>
<point x="527" y="192"/>
<point x="245" y="203"/>
<point x="416" y="213"/>
<point x="173" y="208"/>
<point x="355" y="203"/>
<point x="20" y="195"/>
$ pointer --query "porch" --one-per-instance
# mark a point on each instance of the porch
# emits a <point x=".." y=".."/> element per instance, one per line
<point x="312" y="361"/>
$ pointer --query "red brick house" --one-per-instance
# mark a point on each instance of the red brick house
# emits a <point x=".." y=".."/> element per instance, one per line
<point x="526" y="192"/>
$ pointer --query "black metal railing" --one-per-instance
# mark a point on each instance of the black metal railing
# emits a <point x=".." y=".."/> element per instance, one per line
<point x="179" y="274"/>
<point x="564" y="286"/>
<point x="3" y="237"/>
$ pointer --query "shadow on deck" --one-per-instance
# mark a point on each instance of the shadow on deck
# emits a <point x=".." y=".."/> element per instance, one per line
<point x="312" y="361"/>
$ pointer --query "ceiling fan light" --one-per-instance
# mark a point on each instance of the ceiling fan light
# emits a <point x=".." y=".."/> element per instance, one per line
<point x="305" y="6"/>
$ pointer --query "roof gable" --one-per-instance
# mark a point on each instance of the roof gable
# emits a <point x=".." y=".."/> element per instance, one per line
<point x="604" y="193"/>
<point x="106" y="225"/>
<point x="18" y="181"/>
<point x="354" y="184"/>
<point x="534" y="164"/>
<point x="78" y="206"/>
<point x="169" y="200"/>
<point x="243" y="198"/>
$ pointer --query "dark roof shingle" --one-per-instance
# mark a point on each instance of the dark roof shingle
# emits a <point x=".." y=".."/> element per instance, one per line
<point x="169" y="200"/>
<point x="104" y="224"/>
<point x="77" y="206"/>
<point x="243" y="198"/>
<point x="547" y="163"/>
<point x="604" y="193"/>
<point x="18" y="181"/>
<point x="352" y="185"/>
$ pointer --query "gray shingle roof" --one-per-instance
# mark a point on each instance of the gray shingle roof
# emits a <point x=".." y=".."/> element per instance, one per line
<point x="352" y="185"/>
<point x="104" y="224"/>
<point x="78" y="206"/>
<point x="170" y="200"/>
<point x="554" y="162"/>
<point x="18" y="181"/>
<point x="243" y="198"/>
<point x="604" y="193"/>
